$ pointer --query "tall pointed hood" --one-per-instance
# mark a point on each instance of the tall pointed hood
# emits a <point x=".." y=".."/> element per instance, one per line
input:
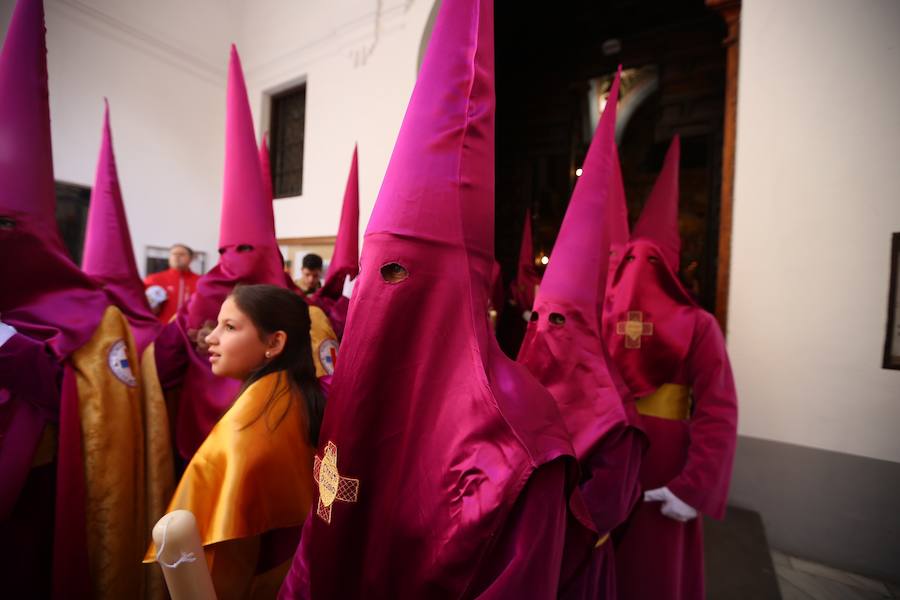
<point x="43" y="295"/>
<point x="659" y="218"/>
<point x="248" y="253"/>
<point x="246" y="208"/>
<point x="527" y="277"/>
<point x="345" y="260"/>
<point x="108" y="252"/>
<point x="648" y="315"/>
<point x="453" y="429"/>
<point x="617" y="222"/>
<point x="578" y="257"/>
<point x="265" y="168"/>
<point x="563" y="346"/>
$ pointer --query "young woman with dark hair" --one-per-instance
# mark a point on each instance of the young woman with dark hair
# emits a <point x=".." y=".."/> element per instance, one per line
<point x="250" y="484"/>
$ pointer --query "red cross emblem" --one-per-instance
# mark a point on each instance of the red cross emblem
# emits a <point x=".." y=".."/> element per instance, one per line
<point x="634" y="328"/>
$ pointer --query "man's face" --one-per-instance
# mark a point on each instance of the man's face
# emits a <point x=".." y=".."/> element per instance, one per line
<point x="179" y="258"/>
<point x="309" y="278"/>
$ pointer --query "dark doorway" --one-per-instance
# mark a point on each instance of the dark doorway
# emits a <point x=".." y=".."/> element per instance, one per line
<point x="552" y="64"/>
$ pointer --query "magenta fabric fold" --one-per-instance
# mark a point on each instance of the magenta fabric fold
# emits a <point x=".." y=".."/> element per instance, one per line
<point x="45" y="295"/>
<point x="248" y="253"/>
<point x="432" y="430"/>
<point x="108" y="252"/>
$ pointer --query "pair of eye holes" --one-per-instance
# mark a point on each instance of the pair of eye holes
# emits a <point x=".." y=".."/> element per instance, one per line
<point x="240" y="248"/>
<point x="555" y="318"/>
<point x="651" y="258"/>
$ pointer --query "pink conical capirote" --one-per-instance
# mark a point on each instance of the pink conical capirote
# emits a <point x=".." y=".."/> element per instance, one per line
<point x="345" y="260"/>
<point x="265" y="167"/>
<point x="44" y="295"/>
<point x="247" y="215"/>
<point x="527" y="278"/>
<point x="108" y="252"/>
<point x="618" y="206"/>
<point x="26" y="166"/>
<point x="448" y="134"/>
<point x="581" y="253"/>
<point x="659" y="218"/>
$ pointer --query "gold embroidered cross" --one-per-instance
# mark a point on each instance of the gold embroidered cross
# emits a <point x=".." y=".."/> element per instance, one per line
<point x="634" y="328"/>
<point x="331" y="485"/>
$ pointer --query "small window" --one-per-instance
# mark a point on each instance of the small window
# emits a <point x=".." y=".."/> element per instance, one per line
<point x="72" y="202"/>
<point x="287" y="131"/>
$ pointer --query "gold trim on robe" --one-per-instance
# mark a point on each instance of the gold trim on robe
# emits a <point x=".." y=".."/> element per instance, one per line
<point x="252" y="474"/>
<point x="159" y="461"/>
<point x="110" y="408"/>
<point x="670" y="401"/>
<point x="319" y="330"/>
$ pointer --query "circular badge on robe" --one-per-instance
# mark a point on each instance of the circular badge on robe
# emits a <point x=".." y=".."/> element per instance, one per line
<point x="118" y="362"/>
<point x="328" y="355"/>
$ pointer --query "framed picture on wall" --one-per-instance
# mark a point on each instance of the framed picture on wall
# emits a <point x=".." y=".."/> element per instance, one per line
<point x="892" y="338"/>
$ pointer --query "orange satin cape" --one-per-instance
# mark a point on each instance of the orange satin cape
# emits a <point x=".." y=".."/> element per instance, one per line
<point x="253" y="473"/>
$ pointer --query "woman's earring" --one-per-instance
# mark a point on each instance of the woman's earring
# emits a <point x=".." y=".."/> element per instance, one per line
<point x="267" y="354"/>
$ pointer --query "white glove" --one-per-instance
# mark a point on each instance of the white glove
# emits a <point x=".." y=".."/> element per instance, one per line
<point x="672" y="506"/>
<point x="156" y="295"/>
<point x="348" y="286"/>
<point x="6" y="332"/>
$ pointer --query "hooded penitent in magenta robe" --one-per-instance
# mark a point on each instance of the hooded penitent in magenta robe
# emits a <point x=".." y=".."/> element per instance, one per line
<point x="671" y="354"/>
<point x="108" y="253"/>
<point x="248" y="253"/>
<point x="444" y="469"/>
<point x="78" y="353"/>
<point x="564" y="349"/>
<point x="345" y="260"/>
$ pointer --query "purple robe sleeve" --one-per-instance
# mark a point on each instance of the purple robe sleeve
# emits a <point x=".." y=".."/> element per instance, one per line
<point x="29" y="397"/>
<point x="526" y="559"/>
<point x="703" y="483"/>
<point x="614" y="486"/>
<point x="170" y="353"/>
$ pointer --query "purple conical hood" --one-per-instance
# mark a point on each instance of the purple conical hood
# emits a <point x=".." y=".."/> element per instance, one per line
<point x="108" y="252"/>
<point x="580" y="255"/>
<point x="659" y="218"/>
<point x="43" y="294"/>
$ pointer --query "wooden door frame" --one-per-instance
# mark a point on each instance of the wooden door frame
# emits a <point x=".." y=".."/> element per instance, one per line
<point x="730" y="11"/>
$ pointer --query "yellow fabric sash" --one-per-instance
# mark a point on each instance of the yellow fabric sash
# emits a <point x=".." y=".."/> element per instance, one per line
<point x="253" y="473"/>
<point x="320" y="330"/>
<point x="109" y="404"/>
<point x="669" y="401"/>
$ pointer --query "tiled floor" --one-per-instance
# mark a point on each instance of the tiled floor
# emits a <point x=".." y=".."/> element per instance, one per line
<point x="804" y="580"/>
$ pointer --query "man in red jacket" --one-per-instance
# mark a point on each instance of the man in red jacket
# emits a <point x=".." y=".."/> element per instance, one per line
<point x="168" y="290"/>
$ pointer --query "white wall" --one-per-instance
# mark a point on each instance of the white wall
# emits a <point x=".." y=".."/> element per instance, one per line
<point x="817" y="197"/>
<point x="359" y="63"/>
<point x="167" y="103"/>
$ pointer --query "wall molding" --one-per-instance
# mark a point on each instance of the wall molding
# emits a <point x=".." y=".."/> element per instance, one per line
<point x="152" y="43"/>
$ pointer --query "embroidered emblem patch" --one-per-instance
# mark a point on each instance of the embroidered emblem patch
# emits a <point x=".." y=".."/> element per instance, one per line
<point x="634" y="328"/>
<point x="118" y="362"/>
<point x="332" y="486"/>
<point x="328" y="355"/>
